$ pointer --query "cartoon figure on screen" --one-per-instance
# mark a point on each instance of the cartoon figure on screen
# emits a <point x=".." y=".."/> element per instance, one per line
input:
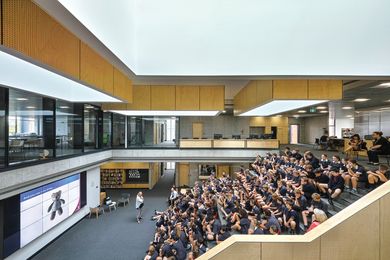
<point x="56" y="205"/>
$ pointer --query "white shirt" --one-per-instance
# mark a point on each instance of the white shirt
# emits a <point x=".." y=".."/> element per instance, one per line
<point x="139" y="200"/>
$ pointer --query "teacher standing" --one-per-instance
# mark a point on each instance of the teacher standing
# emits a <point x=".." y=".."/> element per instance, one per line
<point x="139" y="203"/>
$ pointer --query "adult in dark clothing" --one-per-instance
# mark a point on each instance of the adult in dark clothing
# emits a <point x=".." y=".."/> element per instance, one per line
<point x="380" y="146"/>
<point x="181" y="253"/>
<point x="315" y="163"/>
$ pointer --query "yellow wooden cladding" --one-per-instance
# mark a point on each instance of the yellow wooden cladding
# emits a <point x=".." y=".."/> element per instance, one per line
<point x="280" y="122"/>
<point x="290" y="89"/>
<point x="172" y="97"/>
<point x="212" y="97"/>
<point x="259" y="92"/>
<point x="187" y="97"/>
<point x="184" y="172"/>
<point x="31" y="31"/>
<point x="325" y="89"/>
<point x="141" y="98"/>
<point x="122" y="86"/>
<point x="95" y="70"/>
<point x="162" y="97"/>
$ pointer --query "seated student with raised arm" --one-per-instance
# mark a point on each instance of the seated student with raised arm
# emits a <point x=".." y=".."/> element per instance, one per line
<point x="380" y="146"/>
<point x="354" y="173"/>
<point x="378" y="177"/>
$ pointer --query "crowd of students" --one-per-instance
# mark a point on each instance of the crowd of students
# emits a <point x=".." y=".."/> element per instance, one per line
<point x="276" y="195"/>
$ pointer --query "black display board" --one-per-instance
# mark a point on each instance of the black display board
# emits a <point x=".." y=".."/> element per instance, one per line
<point x="137" y="176"/>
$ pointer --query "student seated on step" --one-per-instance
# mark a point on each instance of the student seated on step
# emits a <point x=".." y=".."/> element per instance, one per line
<point x="335" y="186"/>
<point x="378" y="177"/>
<point x="355" y="173"/>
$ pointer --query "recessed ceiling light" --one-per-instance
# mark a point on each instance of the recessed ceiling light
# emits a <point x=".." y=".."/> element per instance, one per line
<point x="21" y="99"/>
<point x="278" y="115"/>
<point x="382" y="85"/>
<point x="361" y="99"/>
<point x="88" y="106"/>
<point x="349" y="116"/>
<point x="324" y="111"/>
<point x="18" y="73"/>
<point x="301" y="111"/>
<point x="279" y="106"/>
<point x="64" y="107"/>
<point x="165" y="113"/>
<point x="295" y="115"/>
<point x="30" y="107"/>
<point x="223" y="111"/>
<point x="352" y="118"/>
<point x="347" y="108"/>
<point x="321" y="107"/>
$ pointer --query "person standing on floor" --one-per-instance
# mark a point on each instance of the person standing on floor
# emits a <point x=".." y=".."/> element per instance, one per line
<point x="139" y="203"/>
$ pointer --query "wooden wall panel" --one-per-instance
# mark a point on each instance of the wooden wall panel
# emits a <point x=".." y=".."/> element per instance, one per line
<point x="384" y="224"/>
<point x="122" y="86"/>
<point x="290" y="89"/>
<point x="325" y="89"/>
<point x="162" y="97"/>
<point x="272" y="251"/>
<point x="339" y="242"/>
<point x="31" y="31"/>
<point x="212" y="97"/>
<point x="141" y="98"/>
<point x="95" y="70"/>
<point x="184" y="171"/>
<point x="264" y="91"/>
<point x="240" y="251"/>
<point x="187" y="97"/>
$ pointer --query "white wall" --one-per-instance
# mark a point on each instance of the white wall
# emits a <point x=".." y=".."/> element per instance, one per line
<point x="93" y="197"/>
<point x="313" y="128"/>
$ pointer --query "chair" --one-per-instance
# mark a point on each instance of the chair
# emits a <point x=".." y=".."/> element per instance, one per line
<point x="95" y="211"/>
<point x="385" y="156"/>
<point x="124" y="199"/>
<point x="109" y="204"/>
<point x="316" y="144"/>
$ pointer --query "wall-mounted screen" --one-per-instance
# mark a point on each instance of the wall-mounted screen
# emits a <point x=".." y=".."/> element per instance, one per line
<point x="137" y="176"/>
<point x="44" y="207"/>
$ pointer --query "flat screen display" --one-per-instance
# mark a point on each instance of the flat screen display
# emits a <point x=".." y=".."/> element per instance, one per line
<point x="43" y="208"/>
<point x="137" y="176"/>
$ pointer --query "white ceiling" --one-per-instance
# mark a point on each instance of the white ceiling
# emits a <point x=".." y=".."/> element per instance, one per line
<point x="242" y="38"/>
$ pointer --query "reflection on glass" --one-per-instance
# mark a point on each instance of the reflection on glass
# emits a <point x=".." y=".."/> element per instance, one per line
<point x="90" y="127"/>
<point x="30" y="126"/>
<point x="3" y="99"/>
<point x="68" y="122"/>
<point x="152" y="131"/>
<point x="118" y="131"/>
<point x="107" y="129"/>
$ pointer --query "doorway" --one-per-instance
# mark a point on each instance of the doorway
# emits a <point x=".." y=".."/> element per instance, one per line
<point x="294" y="134"/>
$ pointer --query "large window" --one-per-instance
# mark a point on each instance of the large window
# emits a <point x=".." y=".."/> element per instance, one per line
<point x="30" y="126"/>
<point x="91" y="116"/>
<point x="68" y="124"/>
<point x="152" y="131"/>
<point x="107" y="123"/>
<point x="118" y="131"/>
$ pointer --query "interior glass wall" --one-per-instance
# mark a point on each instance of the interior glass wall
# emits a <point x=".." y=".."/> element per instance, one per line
<point x="68" y="123"/>
<point x="30" y="126"/>
<point x="3" y="108"/>
<point x="118" y="131"/>
<point x="152" y="131"/>
<point x="91" y="114"/>
<point x="107" y="123"/>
